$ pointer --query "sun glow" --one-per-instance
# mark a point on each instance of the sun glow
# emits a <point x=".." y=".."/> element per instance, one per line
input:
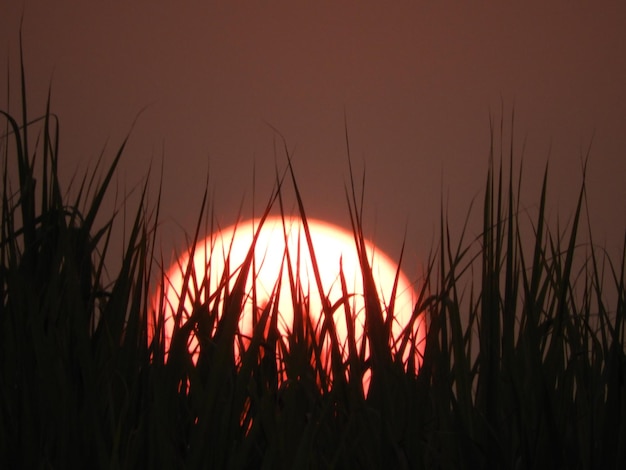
<point x="283" y="266"/>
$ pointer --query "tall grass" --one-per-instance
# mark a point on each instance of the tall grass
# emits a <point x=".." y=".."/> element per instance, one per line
<point x="523" y="367"/>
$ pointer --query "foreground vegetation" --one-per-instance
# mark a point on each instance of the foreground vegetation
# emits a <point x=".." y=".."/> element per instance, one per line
<point x="523" y="367"/>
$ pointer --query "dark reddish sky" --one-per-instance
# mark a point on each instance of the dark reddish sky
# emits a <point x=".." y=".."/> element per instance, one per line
<point x="417" y="80"/>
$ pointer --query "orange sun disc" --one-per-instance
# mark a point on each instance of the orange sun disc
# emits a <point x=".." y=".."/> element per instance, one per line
<point x="334" y="252"/>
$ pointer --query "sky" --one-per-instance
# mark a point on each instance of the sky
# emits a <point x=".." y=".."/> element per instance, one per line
<point x="414" y="84"/>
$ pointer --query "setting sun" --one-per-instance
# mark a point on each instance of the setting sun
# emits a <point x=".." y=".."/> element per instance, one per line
<point x="334" y="252"/>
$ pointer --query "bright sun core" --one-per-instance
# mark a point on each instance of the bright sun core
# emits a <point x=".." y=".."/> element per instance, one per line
<point x="334" y="251"/>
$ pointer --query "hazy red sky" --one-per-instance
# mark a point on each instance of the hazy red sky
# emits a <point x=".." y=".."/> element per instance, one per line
<point x="417" y="80"/>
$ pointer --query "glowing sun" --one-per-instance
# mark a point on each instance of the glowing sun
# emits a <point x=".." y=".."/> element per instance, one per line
<point x="281" y="249"/>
